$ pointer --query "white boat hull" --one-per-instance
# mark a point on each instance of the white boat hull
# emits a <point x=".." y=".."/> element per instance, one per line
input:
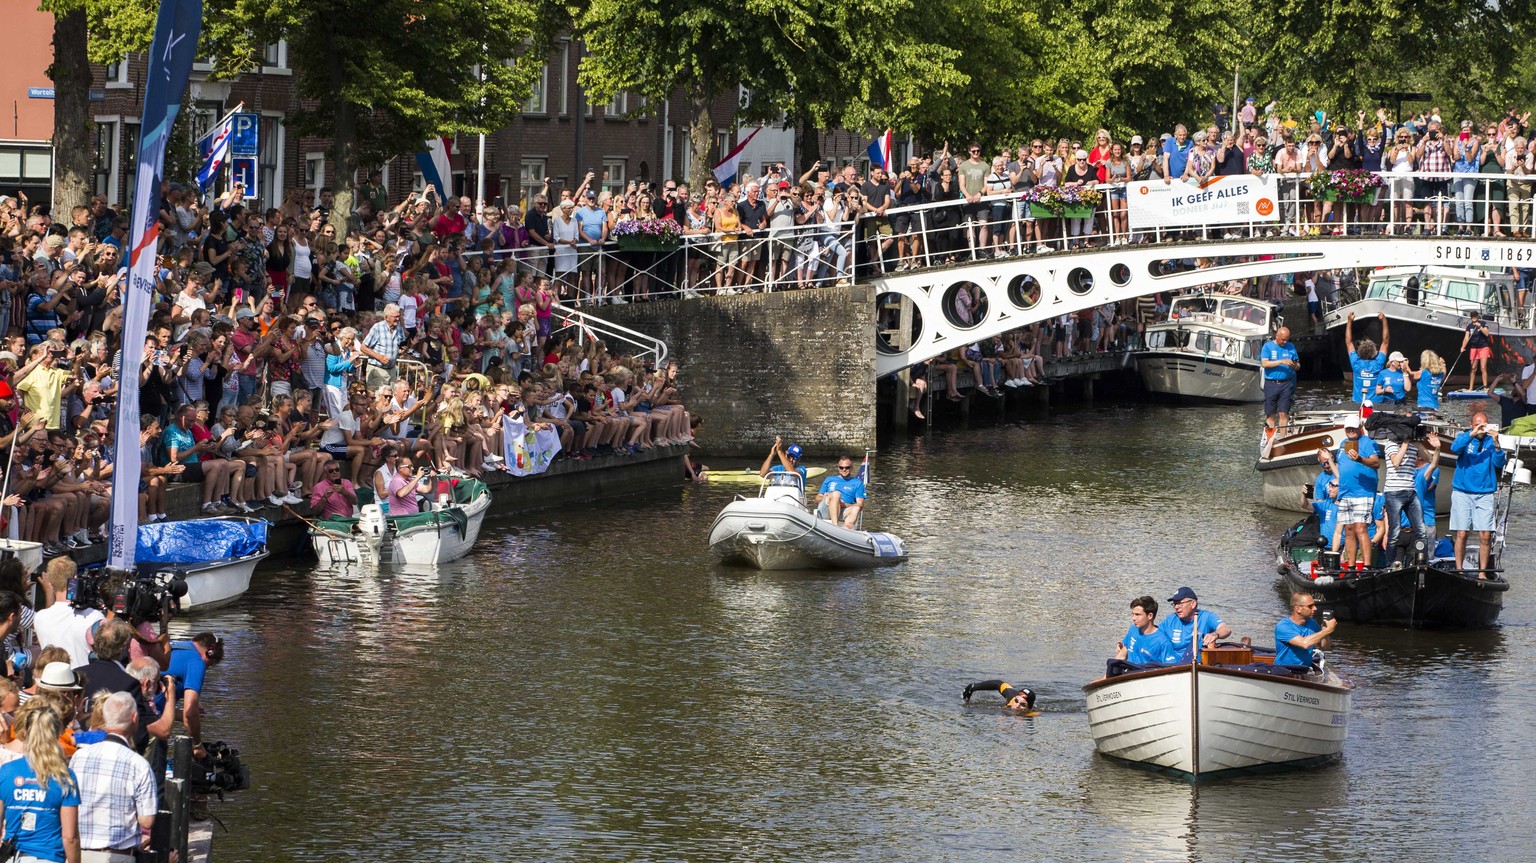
<point x="371" y="544"/>
<point x="1194" y="376"/>
<point x="218" y="583"/>
<point x="1233" y="721"/>
<point x="777" y="534"/>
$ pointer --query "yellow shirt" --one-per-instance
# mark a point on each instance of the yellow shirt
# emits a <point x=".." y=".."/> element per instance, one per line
<point x="42" y="392"/>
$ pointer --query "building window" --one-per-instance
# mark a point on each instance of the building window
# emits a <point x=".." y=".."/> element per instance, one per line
<point x="117" y="74"/>
<point x="538" y="100"/>
<point x="130" y="145"/>
<point x="274" y="56"/>
<point x="314" y="171"/>
<point x="269" y="156"/>
<point x="614" y="173"/>
<point x="685" y="155"/>
<point x="617" y="106"/>
<point x="565" y="78"/>
<point x="530" y="179"/>
<point x="722" y="144"/>
<point x="106" y="158"/>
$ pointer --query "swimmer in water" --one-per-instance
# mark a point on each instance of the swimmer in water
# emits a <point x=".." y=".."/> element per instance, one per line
<point x="1016" y="698"/>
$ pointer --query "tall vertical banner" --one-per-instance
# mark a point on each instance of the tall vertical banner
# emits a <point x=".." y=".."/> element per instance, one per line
<point x="177" y="28"/>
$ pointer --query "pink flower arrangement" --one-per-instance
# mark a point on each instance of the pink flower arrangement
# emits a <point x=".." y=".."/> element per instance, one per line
<point x="664" y="232"/>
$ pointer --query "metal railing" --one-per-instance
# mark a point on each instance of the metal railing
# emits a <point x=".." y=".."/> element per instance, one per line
<point x="939" y="233"/>
<point x="588" y="327"/>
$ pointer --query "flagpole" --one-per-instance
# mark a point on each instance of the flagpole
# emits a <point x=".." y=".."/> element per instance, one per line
<point x="215" y="127"/>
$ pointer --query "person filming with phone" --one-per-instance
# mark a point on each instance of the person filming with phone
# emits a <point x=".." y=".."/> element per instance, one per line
<point x="1299" y="632"/>
<point x="1479" y="458"/>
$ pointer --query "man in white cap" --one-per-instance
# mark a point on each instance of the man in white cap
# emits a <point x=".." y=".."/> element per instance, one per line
<point x="1355" y="463"/>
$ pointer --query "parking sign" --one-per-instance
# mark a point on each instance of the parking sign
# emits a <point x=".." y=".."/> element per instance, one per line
<point x="243" y="140"/>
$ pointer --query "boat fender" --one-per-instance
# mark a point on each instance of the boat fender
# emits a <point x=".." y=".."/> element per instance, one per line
<point x="1324" y="580"/>
<point x="1005" y="689"/>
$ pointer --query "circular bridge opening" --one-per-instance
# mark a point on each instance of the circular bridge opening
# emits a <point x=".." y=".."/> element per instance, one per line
<point x="1024" y="291"/>
<point x="1079" y="280"/>
<point x="964" y="304"/>
<point x="1120" y="274"/>
<point x="898" y="323"/>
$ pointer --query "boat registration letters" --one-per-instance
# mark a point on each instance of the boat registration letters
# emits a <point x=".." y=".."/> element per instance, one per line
<point x="1469" y="252"/>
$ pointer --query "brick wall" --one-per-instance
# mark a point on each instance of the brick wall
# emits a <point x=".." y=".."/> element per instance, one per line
<point x="800" y="364"/>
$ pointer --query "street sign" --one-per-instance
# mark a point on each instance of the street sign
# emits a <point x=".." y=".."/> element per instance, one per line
<point x="243" y="170"/>
<point x="243" y="138"/>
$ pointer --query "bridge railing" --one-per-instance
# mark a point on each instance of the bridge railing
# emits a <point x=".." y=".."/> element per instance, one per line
<point x="824" y="252"/>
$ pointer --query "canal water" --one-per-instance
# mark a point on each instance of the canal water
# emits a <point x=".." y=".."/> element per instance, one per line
<point x="589" y="685"/>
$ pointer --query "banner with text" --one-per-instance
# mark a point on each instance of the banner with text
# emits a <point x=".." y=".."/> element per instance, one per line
<point x="170" y="65"/>
<point x="1232" y="199"/>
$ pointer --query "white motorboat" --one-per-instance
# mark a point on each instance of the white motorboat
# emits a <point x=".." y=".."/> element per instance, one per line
<point x="216" y="557"/>
<point x="1207" y="349"/>
<point x="776" y="530"/>
<point x="441" y="533"/>
<point x="1427" y="307"/>
<point x="1220" y="716"/>
<point x="1288" y="461"/>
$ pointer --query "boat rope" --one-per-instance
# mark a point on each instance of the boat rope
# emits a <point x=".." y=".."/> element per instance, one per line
<point x="329" y="533"/>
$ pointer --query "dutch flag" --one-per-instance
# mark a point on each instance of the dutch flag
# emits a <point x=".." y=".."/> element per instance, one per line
<point x="435" y="168"/>
<point x="218" y="153"/>
<point x="880" y="151"/>
<point x="725" y="172"/>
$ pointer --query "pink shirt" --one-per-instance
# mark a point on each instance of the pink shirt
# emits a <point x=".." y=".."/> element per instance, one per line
<point x="403" y="505"/>
<point x="326" y="504"/>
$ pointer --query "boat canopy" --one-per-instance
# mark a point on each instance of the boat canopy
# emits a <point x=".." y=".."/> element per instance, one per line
<point x="200" y="540"/>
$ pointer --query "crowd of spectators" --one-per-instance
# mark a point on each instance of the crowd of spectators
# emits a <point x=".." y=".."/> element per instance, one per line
<point x="278" y="346"/>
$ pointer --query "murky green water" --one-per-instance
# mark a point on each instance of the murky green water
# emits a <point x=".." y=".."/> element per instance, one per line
<point x="591" y="686"/>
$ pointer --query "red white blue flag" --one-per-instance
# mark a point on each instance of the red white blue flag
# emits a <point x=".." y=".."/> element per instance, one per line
<point x="435" y="167"/>
<point x="880" y="151"/>
<point x="725" y="172"/>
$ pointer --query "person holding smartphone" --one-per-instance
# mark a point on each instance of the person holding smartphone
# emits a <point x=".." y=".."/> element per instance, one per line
<point x="1479" y="459"/>
<point x="1298" y="633"/>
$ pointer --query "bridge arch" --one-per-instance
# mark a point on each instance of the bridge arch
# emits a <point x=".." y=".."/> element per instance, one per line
<point x="1072" y="281"/>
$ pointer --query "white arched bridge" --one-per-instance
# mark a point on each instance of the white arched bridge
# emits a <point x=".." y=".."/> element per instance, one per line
<point x="1023" y="290"/>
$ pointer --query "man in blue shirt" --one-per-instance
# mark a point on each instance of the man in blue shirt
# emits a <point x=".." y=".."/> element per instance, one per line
<point x="1426" y="480"/>
<point x="1479" y="458"/>
<point x="189" y="663"/>
<point x="1176" y="154"/>
<point x="842" y="496"/>
<point x="1144" y="643"/>
<point x="789" y="459"/>
<point x="1297" y="634"/>
<point x="1365" y="359"/>
<point x="1355" y="463"/>
<point x="1187" y="620"/>
<point x="1280" y="360"/>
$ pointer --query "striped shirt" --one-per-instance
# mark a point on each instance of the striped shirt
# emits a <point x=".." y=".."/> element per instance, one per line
<point x="117" y="787"/>
<point x="1400" y="477"/>
<point x="381" y="339"/>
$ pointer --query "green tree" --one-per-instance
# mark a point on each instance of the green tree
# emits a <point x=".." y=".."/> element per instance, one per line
<point x="379" y="77"/>
<point x="85" y="31"/>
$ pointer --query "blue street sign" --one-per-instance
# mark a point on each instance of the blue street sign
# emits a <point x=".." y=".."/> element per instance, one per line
<point x="39" y="92"/>
<point x="243" y="138"/>
<point x="243" y="170"/>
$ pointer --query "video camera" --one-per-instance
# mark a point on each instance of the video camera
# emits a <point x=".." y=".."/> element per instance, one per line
<point x="222" y="771"/>
<point x="137" y="600"/>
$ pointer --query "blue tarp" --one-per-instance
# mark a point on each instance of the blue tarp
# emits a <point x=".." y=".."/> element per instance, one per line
<point x="199" y="540"/>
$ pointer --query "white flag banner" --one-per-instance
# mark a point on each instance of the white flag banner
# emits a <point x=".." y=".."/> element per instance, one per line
<point x="527" y="452"/>
<point x="1235" y="199"/>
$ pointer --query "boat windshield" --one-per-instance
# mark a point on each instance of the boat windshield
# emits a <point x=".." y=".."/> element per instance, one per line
<point x="1451" y="292"/>
<point x="1235" y="309"/>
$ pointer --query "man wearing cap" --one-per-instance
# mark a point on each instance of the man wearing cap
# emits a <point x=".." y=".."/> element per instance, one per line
<point x="592" y="229"/>
<point x="1144" y="643"/>
<point x="789" y="459"/>
<point x="117" y="787"/>
<point x="540" y="236"/>
<point x="1187" y="621"/>
<point x="382" y="346"/>
<point x="51" y="253"/>
<point x="1479" y="458"/>
<point x="1018" y="698"/>
<point x="1394" y="384"/>
<point x="246" y="340"/>
<point x="1280" y="360"/>
<point x="1355" y="463"/>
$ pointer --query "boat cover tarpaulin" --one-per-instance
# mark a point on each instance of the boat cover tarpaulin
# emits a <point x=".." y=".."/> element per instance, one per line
<point x="199" y="540"/>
